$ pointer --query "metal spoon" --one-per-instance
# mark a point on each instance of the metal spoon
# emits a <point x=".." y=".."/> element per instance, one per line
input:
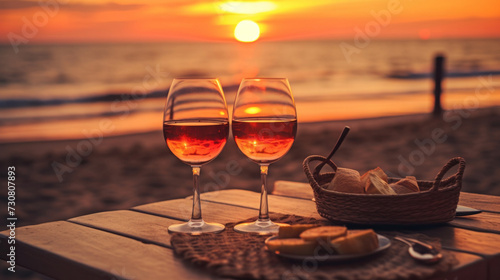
<point x="421" y="251"/>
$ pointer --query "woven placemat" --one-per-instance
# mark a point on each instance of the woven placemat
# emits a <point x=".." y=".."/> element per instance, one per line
<point x="243" y="256"/>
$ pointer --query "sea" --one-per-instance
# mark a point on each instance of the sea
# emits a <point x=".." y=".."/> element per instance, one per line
<point x="72" y="91"/>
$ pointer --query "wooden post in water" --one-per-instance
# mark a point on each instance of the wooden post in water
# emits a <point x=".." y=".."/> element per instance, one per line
<point x="438" y="78"/>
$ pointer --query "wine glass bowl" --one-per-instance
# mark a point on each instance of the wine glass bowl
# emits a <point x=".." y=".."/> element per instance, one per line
<point x="264" y="124"/>
<point x="195" y="143"/>
<point x="195" y="128"/>
<point x="264" y="141"/>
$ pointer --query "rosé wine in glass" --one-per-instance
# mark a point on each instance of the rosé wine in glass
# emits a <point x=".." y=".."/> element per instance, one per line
<point x="196" y="142"/>
<point x="264" y="141"/>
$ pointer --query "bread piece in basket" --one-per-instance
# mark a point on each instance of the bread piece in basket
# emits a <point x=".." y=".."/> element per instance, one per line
<point x="435" y="203"/>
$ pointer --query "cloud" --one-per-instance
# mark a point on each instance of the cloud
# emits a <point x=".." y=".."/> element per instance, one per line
<point x="109" y="6"/>
<point x="17" y="4"/>
<point x="253" y="7"/>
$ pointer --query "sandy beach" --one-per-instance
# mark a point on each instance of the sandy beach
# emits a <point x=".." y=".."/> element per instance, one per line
<point x="57" y="180"/>
<point x="62" y="179"/>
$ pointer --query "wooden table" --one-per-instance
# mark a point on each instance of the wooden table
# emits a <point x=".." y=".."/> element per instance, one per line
<point x="134" y="243"/>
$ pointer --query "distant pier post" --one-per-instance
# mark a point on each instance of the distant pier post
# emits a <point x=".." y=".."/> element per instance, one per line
<point x="438" y="78"/>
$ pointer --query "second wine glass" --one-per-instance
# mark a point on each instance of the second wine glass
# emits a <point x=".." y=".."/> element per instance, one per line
<point x="264" y="125"/>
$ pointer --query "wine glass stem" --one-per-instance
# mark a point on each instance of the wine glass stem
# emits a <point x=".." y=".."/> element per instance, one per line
<point x="264" y="209"/>
<point x="196" y="212"/>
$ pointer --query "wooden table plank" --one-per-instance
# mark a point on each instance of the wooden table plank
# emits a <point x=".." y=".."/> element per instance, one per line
<point x="143" y="227"/>
<point x="489" y="203"/>
<point x="468" y="267"/>
<point x="484" y="244"/>
<point x="481" y="243"/>
<point x="486" y="221"/>
<point x="151" y="223"/>
<point x="65" y="250"/>
<point x="293" y="189"/>
<point x="284" y="205"/>
<point x="211" y="212"/>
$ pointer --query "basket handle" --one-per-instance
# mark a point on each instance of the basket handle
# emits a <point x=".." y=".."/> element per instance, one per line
<point x="311" y="175"/>
<point x="452" y="162"/>
<point x="320" y="166"/>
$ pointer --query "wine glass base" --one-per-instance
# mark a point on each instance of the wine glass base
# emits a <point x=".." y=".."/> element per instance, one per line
<point x="260" y="226"/>
<point x="196" y="227"/>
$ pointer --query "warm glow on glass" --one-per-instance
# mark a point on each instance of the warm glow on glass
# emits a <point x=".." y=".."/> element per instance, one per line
<point x="247" y="31"/>
<point x="252" y="110"/>
<point x="247" y="8"/>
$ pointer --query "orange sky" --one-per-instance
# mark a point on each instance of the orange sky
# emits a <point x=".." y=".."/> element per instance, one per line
<point x="193" y="20"/>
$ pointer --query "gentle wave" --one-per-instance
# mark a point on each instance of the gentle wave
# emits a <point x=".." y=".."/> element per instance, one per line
<point x="425" y="75"/>
<point x="35" y="120"/>
<point x="117" y="97"/>
<point x="107" y="97"/>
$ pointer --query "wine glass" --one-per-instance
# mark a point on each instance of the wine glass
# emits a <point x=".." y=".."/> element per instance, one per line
<point x="264" y="125"/>
<point x="196" y="127"/>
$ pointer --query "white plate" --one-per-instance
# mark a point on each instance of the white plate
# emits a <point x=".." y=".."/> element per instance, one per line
<point x="383" y="244"/>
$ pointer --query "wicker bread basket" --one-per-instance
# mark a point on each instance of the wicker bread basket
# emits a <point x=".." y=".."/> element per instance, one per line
<point x="435" y="203"/>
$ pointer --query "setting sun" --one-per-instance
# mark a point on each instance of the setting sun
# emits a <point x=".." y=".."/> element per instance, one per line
<point x="246" y="31"/>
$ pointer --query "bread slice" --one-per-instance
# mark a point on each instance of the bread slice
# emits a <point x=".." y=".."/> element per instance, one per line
<point x="292" y="246"/>
<point x="376" y="185"/>
<point x="381" y="174"/>
<point x="409" y="182"/>
<point x="326" y="233"/>
<point x="356" y="242"/>
<point x="293" y="231"/>
<point x="377" y="171"/>
<point x="398" y="189"/>
<point x="346" y="180"/>
<point x="406" y="185"/>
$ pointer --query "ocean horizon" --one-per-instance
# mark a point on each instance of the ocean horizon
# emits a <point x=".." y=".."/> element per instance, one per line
<point x="50" y="92"/>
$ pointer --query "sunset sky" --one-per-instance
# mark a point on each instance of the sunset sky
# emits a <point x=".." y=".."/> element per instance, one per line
<point x="192" y="20"/>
